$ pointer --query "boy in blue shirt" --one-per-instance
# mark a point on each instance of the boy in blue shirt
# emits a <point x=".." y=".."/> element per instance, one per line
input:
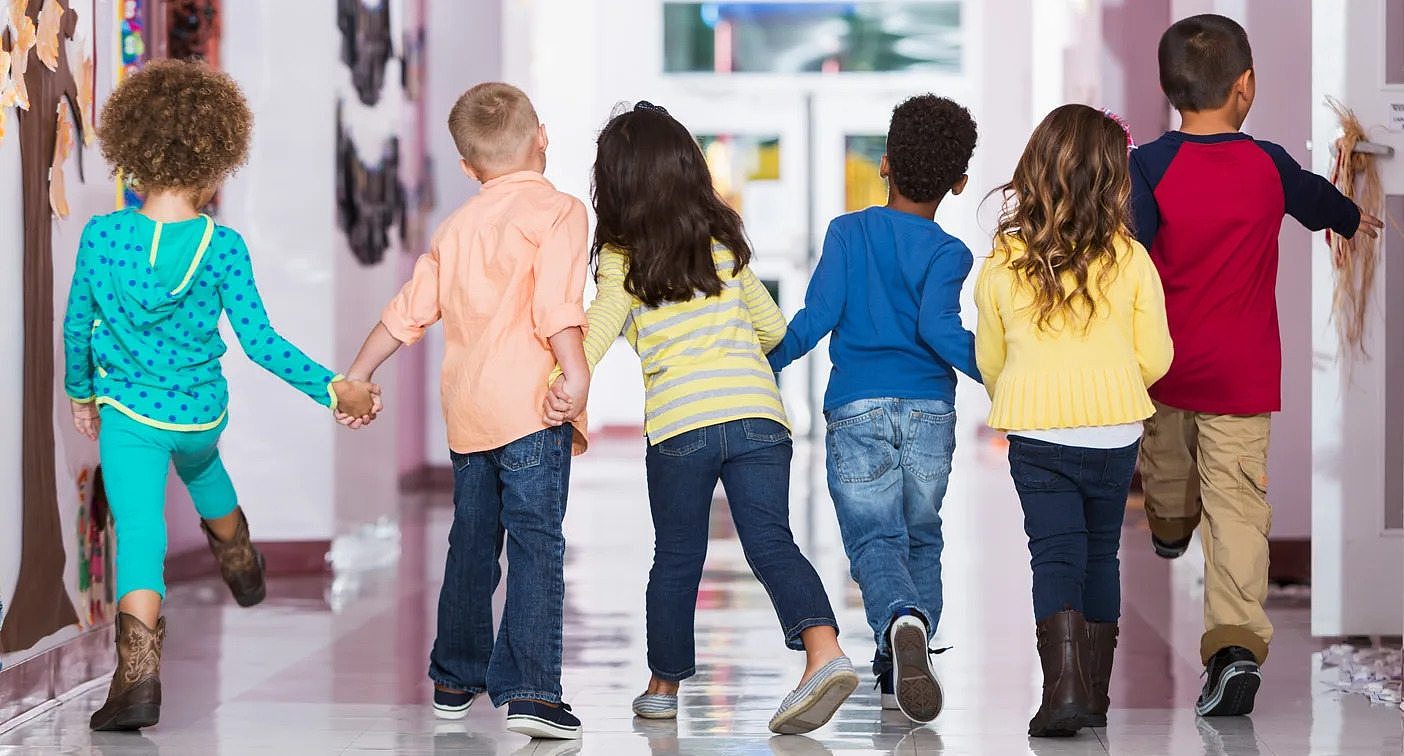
<point x="887" y="286"/>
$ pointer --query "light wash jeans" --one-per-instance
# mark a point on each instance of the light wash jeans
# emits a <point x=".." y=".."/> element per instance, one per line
<point x="888" y="463"/>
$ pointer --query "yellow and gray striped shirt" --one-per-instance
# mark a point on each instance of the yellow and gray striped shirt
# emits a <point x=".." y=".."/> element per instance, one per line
<point x="703" y="359"/>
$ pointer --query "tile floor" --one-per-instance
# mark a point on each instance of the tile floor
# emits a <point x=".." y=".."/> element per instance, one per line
<point x="297" y="676"/>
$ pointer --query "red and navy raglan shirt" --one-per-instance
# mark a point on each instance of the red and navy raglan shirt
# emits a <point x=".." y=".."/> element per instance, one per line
<point x="1209" y="209"/>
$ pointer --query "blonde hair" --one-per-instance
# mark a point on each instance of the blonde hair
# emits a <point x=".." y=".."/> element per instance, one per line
<point x="1069" y="203"/>
<point x="492" y="125"/>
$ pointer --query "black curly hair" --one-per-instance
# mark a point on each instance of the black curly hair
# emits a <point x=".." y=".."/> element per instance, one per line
<point x="929" y="145"/>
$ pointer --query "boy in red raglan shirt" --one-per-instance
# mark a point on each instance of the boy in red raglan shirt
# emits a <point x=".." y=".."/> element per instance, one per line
<point x="1208" y="203"/>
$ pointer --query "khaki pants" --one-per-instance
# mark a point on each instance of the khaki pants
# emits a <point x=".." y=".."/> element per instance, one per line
<point x="1210" y="471"/>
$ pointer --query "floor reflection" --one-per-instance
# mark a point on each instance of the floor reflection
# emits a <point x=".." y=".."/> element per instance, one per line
<point x="293" y="676"/>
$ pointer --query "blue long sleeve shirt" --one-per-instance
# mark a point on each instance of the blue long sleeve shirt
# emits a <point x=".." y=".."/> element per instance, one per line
<point x="888" y="287"/>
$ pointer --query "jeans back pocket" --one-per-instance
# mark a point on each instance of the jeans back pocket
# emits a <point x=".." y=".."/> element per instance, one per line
<point x="860" y="447"/>
<point x="683" y="444"/>
<point x="928" y="441"/>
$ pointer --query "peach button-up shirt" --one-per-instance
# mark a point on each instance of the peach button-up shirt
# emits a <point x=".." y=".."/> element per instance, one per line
<point x="505" y="272"/>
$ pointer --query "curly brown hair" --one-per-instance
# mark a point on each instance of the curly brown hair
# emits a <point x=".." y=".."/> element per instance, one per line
<point x="929" y="145"/>
<point x="177" y="125"/>
<point x="1070" y="204"/>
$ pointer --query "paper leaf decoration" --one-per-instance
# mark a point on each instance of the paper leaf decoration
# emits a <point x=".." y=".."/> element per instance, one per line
<point x="21" y="42"/>
<point x="63" y="147"/>
<point x="47" y="35"/>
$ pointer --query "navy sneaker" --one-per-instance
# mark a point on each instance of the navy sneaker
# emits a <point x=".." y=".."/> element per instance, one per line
<point x="1232" y="682"/>
<point x="538" y="720"/>
<point x="451" y="704"/>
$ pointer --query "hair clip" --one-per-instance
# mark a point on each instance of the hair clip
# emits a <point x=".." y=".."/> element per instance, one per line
<point x="646" y="105"/>
<point x="1126" y="127"/>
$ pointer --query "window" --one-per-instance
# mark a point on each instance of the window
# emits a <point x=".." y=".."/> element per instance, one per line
<point x="740" y="161"/>
<point x="863" y="185"/>
<point x="812" y="37"/>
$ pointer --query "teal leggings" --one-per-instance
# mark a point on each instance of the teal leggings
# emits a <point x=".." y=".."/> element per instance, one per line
<point x="135" y="461"/>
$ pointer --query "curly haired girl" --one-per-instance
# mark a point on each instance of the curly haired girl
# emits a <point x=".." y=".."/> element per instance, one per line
<point x="1071" y="332"/>
<point x="142" y="343"/>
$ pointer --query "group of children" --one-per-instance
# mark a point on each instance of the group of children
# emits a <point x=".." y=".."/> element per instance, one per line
<point x="1103" y="257"/>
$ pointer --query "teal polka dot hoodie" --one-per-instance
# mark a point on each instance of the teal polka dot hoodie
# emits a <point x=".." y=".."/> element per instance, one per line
<point x="142" y="330"/>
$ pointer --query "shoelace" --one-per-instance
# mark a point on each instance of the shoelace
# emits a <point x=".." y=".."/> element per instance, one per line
<point x="931" y="651"/>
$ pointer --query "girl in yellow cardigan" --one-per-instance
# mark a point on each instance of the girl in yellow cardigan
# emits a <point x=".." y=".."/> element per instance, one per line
<point x="1071" y="332"/>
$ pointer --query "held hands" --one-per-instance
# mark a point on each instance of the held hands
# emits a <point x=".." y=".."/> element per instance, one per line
<point x="565" y="400"/>
<point x="357" y="403"/>
<point x="85" y="419"/>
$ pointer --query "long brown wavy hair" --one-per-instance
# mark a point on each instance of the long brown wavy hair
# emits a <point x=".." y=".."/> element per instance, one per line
<point x="1069" y="202"/>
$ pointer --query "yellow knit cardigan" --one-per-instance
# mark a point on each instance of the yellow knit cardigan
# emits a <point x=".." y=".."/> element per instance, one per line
<point x="1067" y="375"/>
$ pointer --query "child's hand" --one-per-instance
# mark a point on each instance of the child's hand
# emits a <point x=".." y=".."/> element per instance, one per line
<point x="357" y="403"/>
<point x="1370" y="226"/>
<point x="566" y="400"/>
<point x="85" y="419"/>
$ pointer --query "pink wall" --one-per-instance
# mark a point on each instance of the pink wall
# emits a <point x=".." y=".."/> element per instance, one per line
<point x="1280" y="31"/>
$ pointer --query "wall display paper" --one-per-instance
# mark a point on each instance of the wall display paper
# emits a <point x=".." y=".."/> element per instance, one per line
<point x="370" y="198"/>
<point x="95" y="586"/>
<point x="40" y="605"/>
<point x="131" y="49"/>
<point x="365" y="45"/>
<point x="1356" y="259"/>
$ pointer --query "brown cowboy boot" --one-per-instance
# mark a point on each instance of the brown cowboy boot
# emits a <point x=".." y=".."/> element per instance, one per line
<point x="134" y="698"/>
<point x="1062" y="642"/>
<point x="1101" y="647"/>
<point x="239" y="563"/>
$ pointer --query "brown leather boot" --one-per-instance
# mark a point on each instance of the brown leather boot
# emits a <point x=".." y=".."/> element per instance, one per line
<point x="134" y="698"/>
<point x="239" y="563"/>
<point x="1101" y="647"/>
<point x="1062" y="644"/>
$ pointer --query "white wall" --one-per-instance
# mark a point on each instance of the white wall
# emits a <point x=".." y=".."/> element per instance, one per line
<point x="1356" y="564"/>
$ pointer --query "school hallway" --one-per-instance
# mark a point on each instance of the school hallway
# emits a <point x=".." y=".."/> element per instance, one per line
<point x="337" y="665"/>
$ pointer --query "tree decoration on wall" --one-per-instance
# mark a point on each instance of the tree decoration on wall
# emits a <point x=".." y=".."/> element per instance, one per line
<point x="40" y="605"/>
<point x="1355" y="260"/>
<point x="369" y="198"/>
<point x="365" y="45"/>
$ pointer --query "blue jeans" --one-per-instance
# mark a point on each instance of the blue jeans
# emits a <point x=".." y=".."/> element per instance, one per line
<point x="1074" y="502"/>
<point x="751" y="458"/>
<point x="517" y="491"/>
<point x="888" y="464"/>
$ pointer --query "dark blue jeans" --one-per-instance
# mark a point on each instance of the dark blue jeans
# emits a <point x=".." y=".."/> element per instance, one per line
<point x="1074" y="502"/>
<point x="888" y="465"/>
<point x="517" y="491"/>
<point x="751" y="458"/>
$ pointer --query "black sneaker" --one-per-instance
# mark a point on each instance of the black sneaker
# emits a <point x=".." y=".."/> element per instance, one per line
<point x="538" y="720"/>
<point x="1170" y="549"/>
<point x="889" y="697"/>
<point x="1232" y="681"/>
<point x="451" y="704"/>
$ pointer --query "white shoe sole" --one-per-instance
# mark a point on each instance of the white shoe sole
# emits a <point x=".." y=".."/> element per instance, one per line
<point x="536" y="727"/>
<point x="818" y="707"/>
<point x="914" y="683"/>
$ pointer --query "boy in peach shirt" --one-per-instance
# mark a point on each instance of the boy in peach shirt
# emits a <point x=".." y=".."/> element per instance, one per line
<point x="506" y="274"/>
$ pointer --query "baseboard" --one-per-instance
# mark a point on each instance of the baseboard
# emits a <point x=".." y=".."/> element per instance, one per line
<point x="282" y="558"/>
<point x="1289" y="561"/>
<point x="43" y="678"/>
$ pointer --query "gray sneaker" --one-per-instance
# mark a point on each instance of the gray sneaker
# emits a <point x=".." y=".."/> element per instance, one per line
<point x="812" y="705"/>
